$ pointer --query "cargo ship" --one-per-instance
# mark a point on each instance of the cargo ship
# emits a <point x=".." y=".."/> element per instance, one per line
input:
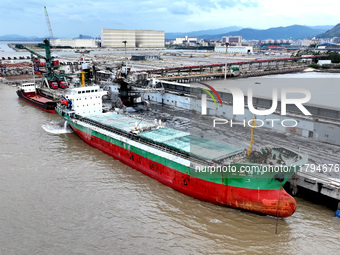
<point x="208" y="170"/>
<point x="29" y="93"/>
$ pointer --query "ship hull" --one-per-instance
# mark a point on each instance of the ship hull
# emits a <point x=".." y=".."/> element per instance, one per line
<point x="38" y="101"/>
<point x="276" y="202"/>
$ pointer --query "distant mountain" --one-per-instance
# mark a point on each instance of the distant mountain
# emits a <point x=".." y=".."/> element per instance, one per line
<point x="15" y="37"/>
<point x="290" y="32"/>
<point x="83" y="37"/>
<point x="334" y="32"/>
<point x="326" y="27"/>
<point x="201" y="33"/>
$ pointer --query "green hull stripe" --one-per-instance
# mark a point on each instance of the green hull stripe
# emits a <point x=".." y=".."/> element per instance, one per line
<point x="262" y="181"/>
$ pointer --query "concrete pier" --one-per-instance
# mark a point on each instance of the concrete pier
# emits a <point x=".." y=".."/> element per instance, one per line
<point x="180" y="95"/>
<point x="318" y="183"/>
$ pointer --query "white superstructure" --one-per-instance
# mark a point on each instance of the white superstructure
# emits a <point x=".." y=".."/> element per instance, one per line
<point x="86" y="100"/>
<point x="28" y="87"/>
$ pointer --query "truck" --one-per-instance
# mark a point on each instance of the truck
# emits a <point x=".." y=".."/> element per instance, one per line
<point x="62" y="84"/>
<point x="53" y="84"/>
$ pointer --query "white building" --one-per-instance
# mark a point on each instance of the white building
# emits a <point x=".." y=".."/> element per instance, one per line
<point x="269" y="41"/>
<point x="149" y="39"/>
<point x="203" y="42"/>
<point x="324" y="62"/>
<point x="74" y="43"/>
<point x="115" y="38"/>
<point x="235" y="49"/>
<point x="303" y="42"/>
<point x="186" y="39"/>
<point x="237" y="40"/>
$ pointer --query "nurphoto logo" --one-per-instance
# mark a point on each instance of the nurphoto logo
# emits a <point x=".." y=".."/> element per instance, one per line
<point x="238" y="105"/>
<point x="238" y="101"/>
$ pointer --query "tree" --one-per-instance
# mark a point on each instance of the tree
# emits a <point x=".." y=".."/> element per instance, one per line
<point x="333" y="56"/>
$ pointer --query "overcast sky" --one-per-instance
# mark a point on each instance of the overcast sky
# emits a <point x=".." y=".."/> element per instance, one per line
<point x="69" y="18"/>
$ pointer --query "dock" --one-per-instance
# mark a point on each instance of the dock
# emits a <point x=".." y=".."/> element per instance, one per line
<point x="175" y="80"/>
<point x="318" y="183"/>
<point x="220" y="75"/>
<point x="20" y="80"/>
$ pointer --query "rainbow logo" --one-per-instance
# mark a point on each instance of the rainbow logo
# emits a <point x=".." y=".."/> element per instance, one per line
<point x="213" y="90"/>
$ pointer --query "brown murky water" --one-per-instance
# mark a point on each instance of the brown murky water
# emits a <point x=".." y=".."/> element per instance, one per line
<point x="61" y="196"/>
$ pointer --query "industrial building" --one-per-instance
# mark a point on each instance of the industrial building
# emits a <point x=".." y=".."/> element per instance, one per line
<point x="117" y="38"/>
<point x="235" y="49"/>
<point x="233" y="40"/>
<point x="186" y="40"/>
<point x="149" y="39"/>
<point x="74" y="43"/>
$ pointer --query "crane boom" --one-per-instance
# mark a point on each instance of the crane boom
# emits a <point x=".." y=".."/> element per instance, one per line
<point x="48" y="23"/>
<point x="50" y="66"/>
<point x="33" y="52"/>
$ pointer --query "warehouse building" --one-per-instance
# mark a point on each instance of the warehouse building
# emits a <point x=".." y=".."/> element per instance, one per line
<point x="232" y="40"/>
<point x="149" y="39"/>
<point x="235" y="49"/>
<point x="186" y="40"/>
<point x="117" y="38"/>
<point x="74" y="43"/>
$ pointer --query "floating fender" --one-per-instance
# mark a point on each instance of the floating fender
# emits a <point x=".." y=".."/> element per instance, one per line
<point x="337" y="213"/>
<point x="64" y="101"/>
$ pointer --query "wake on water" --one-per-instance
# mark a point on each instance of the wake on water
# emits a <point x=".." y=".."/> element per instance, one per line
<point x="55" y="127"/>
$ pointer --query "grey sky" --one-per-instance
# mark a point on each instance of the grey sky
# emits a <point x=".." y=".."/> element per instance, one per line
<point x="69" y="18"/>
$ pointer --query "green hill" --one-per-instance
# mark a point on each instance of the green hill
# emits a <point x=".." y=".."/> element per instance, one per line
<point x="334" y="32"/>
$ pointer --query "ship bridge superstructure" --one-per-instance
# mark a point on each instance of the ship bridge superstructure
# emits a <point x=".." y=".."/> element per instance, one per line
<point x="85" y="100"/>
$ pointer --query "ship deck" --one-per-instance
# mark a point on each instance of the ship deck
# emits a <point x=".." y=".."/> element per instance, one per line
<point x="41" y="99"/>
<point x="179" y="141"/>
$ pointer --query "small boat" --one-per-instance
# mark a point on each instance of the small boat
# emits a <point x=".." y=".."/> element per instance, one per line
<point x="29" y="93"/>
<point x="82" y="51"/>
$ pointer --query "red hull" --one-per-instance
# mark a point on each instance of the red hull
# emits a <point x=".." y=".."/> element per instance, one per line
<point x="38" y="101"/>
<point x="271" y="202"/>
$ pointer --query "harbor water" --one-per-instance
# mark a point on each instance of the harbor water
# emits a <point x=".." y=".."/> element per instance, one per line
<point x="60" y="196"/>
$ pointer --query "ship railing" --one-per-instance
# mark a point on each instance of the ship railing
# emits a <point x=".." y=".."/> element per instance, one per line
<point x="134" y="137"/>
<point x="286" y="153"/>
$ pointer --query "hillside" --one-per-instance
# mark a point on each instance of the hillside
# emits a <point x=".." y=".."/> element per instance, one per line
<point x="289" y="32"/>
<point x="201" y="33"/>
<point x="334" y="32"/>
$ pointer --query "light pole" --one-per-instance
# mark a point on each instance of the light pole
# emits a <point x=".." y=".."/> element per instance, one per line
<point x="125" y="42"/>
<point x="226" y="54"/>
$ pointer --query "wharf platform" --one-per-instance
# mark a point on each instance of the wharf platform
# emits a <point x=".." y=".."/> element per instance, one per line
<point x="19" y="80"/>
<point x="319" y="133"/>
<point x="220" y="75"/>
<point x="316" y="182"/>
